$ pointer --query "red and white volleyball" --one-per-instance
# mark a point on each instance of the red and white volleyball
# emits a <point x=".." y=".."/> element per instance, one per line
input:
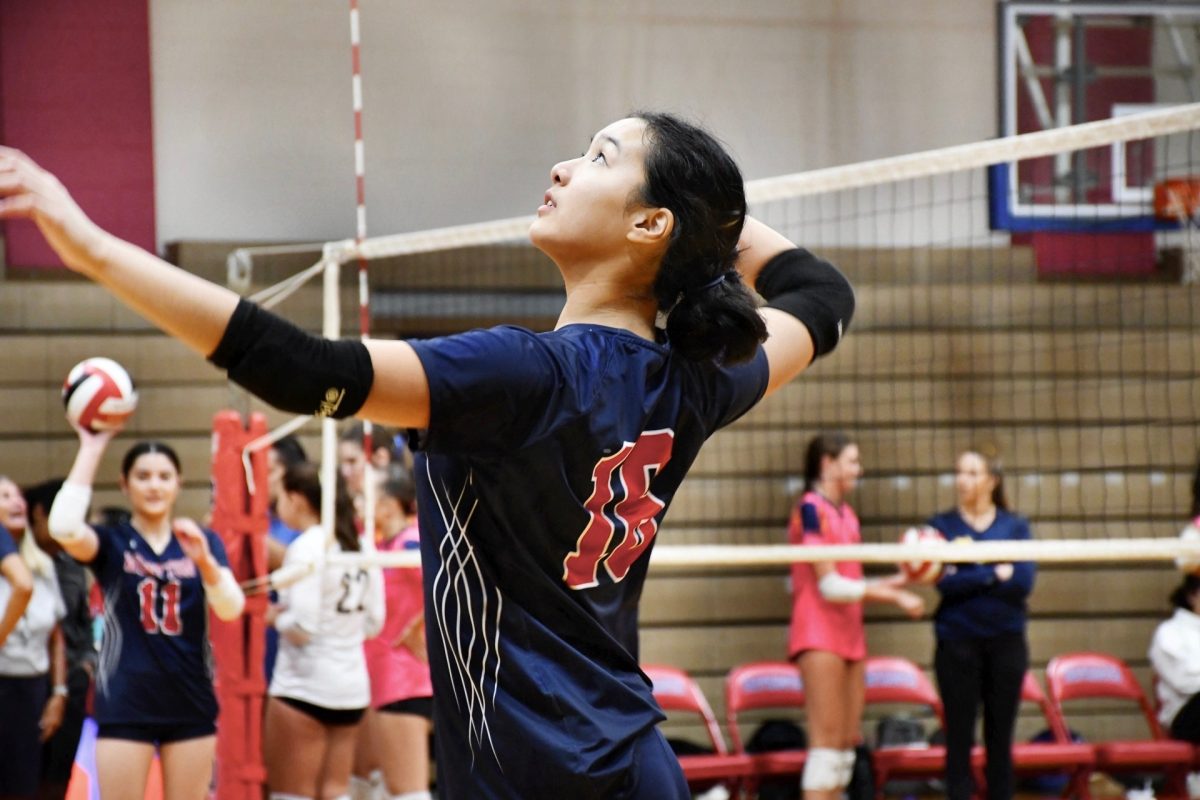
<point x="922" y="571"/>
<point x="98" y="394"/>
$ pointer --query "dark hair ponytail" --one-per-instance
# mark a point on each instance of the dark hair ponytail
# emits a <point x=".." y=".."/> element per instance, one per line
<point x="711" y="314"/>
<point x="304" y="479"/>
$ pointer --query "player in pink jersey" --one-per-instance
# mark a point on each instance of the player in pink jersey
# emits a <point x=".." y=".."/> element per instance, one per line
<point x="396" y="736"/>
<point x="826" y="637"/>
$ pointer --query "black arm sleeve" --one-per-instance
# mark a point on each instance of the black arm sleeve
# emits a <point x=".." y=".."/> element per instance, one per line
<point x="292" y="369"/>
<point x="811" y="290"/>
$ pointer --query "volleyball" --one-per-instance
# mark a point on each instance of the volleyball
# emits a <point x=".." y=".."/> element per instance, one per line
<point x="1189" y="564"/>
<point x="921" y="571"/>
<point x="98" y="394"/>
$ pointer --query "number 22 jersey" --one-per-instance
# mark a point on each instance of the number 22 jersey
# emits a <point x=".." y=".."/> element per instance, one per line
<point x="155" y="665"/>
<point x="546" y="469"/>
<point x="338" y="607"/>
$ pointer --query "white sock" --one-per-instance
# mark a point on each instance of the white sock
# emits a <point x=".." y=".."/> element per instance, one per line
<point x="425" y="795"/>
<point x="285" y="796"/>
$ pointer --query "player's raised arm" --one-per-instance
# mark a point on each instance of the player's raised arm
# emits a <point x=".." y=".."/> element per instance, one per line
<point x="187" y="307"/>
<point x="809" y="302"/>
<point x="285" y="366"/>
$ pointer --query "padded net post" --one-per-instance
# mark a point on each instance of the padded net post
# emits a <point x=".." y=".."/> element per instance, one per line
<point x="240" y="518"/>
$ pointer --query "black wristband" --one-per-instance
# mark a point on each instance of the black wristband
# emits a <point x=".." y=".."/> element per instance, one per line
<point x="292" y="369"/>
<point x="811" y="290"/>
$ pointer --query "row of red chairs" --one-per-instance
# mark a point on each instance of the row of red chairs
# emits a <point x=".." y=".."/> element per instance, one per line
<point x="899" y="681"/>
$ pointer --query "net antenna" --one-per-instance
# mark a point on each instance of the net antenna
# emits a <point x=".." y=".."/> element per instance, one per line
<point x="329" y="443"/>
<point x="1178" y="200"/>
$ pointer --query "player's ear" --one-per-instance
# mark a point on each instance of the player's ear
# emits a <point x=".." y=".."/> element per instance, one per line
<point x="651" y="226"/>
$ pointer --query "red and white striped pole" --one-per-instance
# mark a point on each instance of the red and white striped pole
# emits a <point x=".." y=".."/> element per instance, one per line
<point x="364" y="298"/>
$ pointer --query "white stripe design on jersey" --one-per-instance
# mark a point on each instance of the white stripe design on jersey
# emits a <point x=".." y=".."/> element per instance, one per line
<point x="457" y="575"/>
<point x="110" y="650"/>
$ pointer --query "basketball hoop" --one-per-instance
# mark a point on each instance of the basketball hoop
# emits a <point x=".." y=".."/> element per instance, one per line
<point x="1178" y="199"/>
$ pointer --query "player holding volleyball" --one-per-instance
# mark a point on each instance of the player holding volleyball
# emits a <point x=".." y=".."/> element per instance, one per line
<point x="159" y="575"/>
<point x="826" y="638"/>
<point x="545" y="461"/>
<point x="982" y="654"/>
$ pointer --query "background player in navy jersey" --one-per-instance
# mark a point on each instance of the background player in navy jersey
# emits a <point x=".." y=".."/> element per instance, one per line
<point x="545" y="461"/>
<point x="159" y="575"/>
<point x="982" y="653"/>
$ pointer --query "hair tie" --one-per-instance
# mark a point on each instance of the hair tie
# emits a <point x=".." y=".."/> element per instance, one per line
<point x="717" y="281"/>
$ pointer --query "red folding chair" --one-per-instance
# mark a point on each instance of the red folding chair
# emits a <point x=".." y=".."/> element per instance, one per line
<point x="1084" y="676"/>
<point x="1075" y="759"/>
<point x="675" y="690"/>
<point x="764" y="684"/>
<point x="898" y="681"/>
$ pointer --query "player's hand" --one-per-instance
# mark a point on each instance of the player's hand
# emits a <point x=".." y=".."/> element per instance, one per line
<point x="98" y="439"/>
<point x="1003" y="572"/>
<point x="413" y="637"/>
<point x="52" y="716"/>
<point x="29" y="192"/>
<point x="911" y="604"/>
<point x="194" y="544"/>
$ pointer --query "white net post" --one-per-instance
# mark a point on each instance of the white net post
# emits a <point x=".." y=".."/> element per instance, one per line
<point x="332" y="323"/>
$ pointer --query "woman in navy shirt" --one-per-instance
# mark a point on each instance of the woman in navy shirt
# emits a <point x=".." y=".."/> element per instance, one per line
<point x="982" y="653"/>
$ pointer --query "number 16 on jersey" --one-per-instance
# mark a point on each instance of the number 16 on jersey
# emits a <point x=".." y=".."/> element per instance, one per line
<point x="629" y="502"/>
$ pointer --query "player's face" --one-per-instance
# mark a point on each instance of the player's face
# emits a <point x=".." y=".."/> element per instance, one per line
<point x="973" y="481"/>
<point x="586" y="213"/>
<point x="388" y="513"/>
<point x="275" y="470"/>
<point x="13" y="512"/>
<point x="288" y="507"/>
<point x="844" y="470"/>
<point x="353" y="464"/>
<point x="152" y="485"/>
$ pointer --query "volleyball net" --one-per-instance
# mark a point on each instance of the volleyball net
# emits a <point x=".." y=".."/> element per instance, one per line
<point x="1025" y="295"/>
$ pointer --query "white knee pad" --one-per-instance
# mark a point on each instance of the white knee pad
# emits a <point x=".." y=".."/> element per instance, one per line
<point x="845" y="768"/>
<point x="362" y="788"/>
<point x="822" y="770"/>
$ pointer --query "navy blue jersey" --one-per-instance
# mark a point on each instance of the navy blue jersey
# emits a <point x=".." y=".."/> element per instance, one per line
<point x="545" y="471"/>
<point x="975" y="604"/>
<point x="155" y="664"/>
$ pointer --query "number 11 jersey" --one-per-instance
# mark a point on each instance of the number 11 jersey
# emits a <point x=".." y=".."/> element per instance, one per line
<point x="155" y="665"/>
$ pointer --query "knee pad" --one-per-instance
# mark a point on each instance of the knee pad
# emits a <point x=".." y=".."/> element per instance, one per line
<point x="822" y="770"/>
<point x="845" y="768"/>
<point x="362" y="788"/>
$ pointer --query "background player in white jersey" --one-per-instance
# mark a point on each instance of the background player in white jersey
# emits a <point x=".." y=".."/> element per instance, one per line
<point x="159" y="576"/>
<point x="547" y="460"/>
<point x="320" y="689"/>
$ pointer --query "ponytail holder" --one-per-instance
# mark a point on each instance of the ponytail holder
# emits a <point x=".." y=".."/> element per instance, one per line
<point x="731" y="275"/>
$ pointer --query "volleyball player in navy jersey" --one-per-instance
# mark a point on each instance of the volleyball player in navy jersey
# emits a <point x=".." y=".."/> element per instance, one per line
<point x="159" y="575"/>
<point x="546" y="461"/>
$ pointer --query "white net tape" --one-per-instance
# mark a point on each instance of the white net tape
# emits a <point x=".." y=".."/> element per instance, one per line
<point x="1182" y="551"/>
